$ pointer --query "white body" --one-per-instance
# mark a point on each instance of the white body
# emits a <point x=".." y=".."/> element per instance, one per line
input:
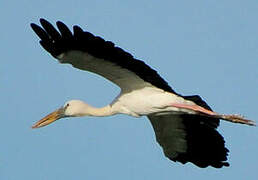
<point x="146" y="101"/>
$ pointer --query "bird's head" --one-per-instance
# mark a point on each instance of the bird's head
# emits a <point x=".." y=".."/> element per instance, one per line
<point x="72" y="108"/>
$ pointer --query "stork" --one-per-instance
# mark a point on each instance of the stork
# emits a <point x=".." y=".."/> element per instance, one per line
<point x="185" y="126"/>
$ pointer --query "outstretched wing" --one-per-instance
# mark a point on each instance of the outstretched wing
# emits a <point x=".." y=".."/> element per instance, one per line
<point x="191" y="138"/>
<point x="91" y="53"/>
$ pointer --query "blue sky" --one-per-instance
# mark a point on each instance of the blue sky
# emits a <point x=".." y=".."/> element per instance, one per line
<point x="200" y="47"/>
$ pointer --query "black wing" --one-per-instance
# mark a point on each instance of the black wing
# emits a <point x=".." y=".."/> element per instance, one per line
<point x="88" y="52"/>
<point x="191" y="138"/>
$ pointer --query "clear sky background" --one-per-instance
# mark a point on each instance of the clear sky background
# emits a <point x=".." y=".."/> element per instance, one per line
<point x="200" y="47"/>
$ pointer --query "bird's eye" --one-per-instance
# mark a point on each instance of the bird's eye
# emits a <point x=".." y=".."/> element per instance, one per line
<point x="67" y="105"/>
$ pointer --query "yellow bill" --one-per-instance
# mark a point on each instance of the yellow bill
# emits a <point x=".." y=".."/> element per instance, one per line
<point x="57" y="114"/>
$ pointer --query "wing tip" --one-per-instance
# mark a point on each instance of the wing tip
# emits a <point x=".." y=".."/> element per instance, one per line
<point x="202" y="163"/>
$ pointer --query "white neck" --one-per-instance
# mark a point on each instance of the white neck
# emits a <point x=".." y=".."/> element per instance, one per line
<point x="75" y="108"/>
<point x="103" y="111"/>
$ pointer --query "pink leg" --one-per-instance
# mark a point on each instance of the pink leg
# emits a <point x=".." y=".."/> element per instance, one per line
<point x="194" y="108"/>
<point x="232" y="118"/>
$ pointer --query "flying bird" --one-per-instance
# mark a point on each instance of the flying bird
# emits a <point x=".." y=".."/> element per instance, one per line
<point x="185" y="126"/>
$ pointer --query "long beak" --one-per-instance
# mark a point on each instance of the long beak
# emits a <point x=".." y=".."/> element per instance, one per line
<point x="57" y="114"/>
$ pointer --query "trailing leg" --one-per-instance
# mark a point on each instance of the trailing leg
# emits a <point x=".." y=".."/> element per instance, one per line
<point x="231" y="117"/>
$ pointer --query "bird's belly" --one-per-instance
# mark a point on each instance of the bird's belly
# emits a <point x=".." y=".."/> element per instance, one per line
<point x="146" y="102"/>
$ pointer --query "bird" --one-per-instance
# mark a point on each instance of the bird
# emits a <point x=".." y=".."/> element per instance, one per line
<point x="184" y="126"/>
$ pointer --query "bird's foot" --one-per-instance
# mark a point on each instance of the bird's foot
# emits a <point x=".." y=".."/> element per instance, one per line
<point x="235" y="118"/>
